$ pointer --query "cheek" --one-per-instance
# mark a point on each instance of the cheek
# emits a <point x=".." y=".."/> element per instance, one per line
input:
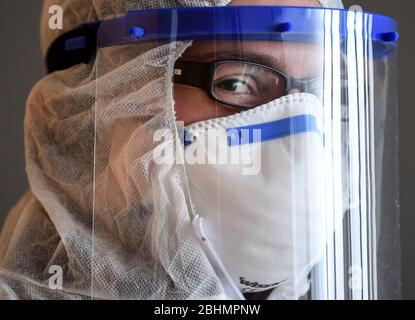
<point x="194" y="105"/>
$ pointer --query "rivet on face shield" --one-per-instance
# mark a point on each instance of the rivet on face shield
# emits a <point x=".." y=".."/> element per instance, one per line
<point x="388" y="36"/>
<point x="284" y="27"/>
<point x="137" y="32"/>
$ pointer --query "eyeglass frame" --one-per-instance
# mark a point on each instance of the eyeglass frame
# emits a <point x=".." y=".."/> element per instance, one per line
<point x="197" y="77"/>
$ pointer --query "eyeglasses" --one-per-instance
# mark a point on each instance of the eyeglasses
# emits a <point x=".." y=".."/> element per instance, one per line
<point x="241" y="84"/>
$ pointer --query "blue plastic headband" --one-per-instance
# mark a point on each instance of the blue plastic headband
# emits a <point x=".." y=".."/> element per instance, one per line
<point x="237" y="23"/>
<point x="304" y="24"/>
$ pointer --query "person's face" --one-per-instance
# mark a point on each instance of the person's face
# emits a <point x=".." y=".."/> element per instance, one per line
<point x="295" y="59"/>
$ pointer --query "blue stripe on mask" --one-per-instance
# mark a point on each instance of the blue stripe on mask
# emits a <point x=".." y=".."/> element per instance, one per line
<point x="272" y="130"/>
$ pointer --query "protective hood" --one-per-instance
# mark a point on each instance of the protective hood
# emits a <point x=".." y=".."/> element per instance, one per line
<point x="52" y="227"/>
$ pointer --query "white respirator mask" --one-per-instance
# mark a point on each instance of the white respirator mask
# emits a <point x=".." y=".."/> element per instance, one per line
<point x="256" y="180"/>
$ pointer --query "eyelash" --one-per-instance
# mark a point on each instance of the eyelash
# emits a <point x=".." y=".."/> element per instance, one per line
<point x="229" y="78"/>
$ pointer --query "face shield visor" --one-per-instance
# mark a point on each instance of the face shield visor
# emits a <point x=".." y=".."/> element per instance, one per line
<point x="245" y="152"/>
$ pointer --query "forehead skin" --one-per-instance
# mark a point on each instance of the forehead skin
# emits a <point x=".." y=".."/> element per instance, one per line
<point x="297" y="60"/>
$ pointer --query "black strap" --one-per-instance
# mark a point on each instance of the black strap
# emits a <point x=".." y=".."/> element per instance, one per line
<point x="59" y="58"/>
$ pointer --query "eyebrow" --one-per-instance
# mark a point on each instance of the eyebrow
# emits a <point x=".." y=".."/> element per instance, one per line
<point x="249" y="56"/>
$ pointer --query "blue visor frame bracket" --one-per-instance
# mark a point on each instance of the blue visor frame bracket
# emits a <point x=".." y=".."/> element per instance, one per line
<point x="267" y="23"/>
<point x="276" y="23"/>
<point x="76" y="43"/>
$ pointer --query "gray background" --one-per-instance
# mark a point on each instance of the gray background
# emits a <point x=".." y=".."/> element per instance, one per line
<point x="22" y="65"/>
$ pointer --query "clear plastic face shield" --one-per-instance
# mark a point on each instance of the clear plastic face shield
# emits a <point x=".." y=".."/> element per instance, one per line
<point x="246" y="152"/>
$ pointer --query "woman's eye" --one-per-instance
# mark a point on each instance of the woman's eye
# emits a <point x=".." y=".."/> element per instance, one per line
<point x="240" y="86"/>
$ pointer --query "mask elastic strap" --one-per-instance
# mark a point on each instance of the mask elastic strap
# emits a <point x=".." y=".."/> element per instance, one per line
<point x="231" y="289"/>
